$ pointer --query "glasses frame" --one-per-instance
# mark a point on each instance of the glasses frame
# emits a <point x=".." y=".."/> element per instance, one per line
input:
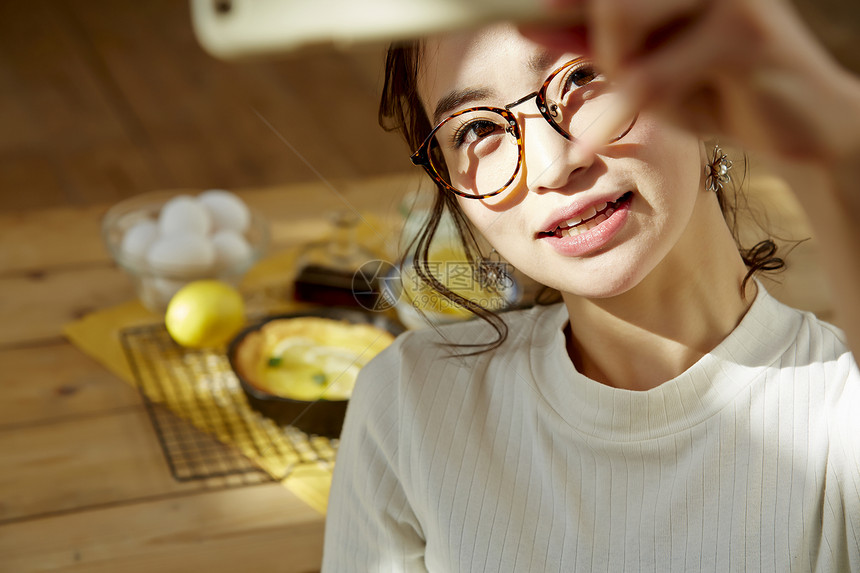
<point x="421" y="156"/>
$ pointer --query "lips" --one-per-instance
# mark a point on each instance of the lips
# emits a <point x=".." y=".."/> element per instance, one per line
<point x="587" y="219"/>
<point x="573" y="237"/>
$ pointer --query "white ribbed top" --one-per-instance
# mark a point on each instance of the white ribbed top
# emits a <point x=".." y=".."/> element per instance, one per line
<point x="514" y="461"/>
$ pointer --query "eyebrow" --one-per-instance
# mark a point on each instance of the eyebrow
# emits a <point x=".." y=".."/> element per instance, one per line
<point x="455" y="99"/>
<point x="538" y="63"/>
<point x="541" y="62"/>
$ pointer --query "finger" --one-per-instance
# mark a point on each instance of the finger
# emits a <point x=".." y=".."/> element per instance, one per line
<point x="701" y="112"/>
<point x="670" y="74"/>
<point x="676" y="80"/>
<point x="611" y="123"/>
<point x="561" y="4"/>
<point x="563" y="27"/>
<point x="699" y="82"/>
<point x="573" y="38"/>
<point x="622" y="30"/>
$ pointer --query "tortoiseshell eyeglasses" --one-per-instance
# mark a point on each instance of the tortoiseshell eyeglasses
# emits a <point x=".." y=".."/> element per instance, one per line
<point x="478" y="152"/>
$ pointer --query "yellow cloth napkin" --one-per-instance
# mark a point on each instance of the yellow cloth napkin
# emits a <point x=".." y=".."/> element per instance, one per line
<point x="97" y="334"/>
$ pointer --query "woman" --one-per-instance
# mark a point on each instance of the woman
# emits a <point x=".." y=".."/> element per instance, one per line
<point x="667" y="415"/>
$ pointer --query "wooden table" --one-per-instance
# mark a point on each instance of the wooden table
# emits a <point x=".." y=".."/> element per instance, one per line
<point x="84" y="485"/>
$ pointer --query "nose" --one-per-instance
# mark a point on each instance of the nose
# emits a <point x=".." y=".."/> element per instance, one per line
<point x="550" y="160"/>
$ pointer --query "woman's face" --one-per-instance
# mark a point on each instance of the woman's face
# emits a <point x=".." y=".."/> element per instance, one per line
<point x="651" y="179"/>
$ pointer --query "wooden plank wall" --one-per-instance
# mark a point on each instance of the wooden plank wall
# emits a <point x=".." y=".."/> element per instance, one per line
<point x="102" y="99"/>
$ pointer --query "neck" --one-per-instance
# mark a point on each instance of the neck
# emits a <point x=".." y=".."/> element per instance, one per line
<point x="662" y="326"/>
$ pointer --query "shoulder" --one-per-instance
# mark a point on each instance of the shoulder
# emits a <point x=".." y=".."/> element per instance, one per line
<point x="826" y="394"/>
<point x="817" y="357"/>
<point x="802" y="340"/>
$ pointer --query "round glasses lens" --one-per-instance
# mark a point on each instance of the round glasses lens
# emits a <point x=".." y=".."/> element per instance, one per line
<point x="580" y="97"/>
<point x="475" y="152"/>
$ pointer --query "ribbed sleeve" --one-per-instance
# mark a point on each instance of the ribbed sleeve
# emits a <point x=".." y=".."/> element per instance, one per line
<point x="513" y="461"/>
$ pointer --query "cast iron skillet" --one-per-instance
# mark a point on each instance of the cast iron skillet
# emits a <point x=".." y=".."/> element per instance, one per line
<point x="322" y="417"/>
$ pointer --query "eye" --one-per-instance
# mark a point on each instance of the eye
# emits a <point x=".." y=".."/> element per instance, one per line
<point x="580" y="76"/>
<point x="475" y="130"/>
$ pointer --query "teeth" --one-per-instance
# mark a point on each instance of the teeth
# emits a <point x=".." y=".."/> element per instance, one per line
<point x="574" y="227"/>
<point x="588" y="214"/>
<point x="593" y="223"/>
<point x="584" y="227"/>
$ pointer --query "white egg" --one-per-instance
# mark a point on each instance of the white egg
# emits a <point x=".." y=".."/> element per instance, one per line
<point x="231" y="249"/>
<point x="184" y="214"/>
<point x="227" y="210"/>
<point x="138" y="239"/>
<point x="182" y="254"/>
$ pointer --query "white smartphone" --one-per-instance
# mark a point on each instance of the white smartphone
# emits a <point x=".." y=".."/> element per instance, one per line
<point x="231" y="29"/>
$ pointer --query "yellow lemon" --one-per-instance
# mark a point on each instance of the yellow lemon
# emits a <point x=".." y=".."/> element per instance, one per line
<point x="205" y="313"/>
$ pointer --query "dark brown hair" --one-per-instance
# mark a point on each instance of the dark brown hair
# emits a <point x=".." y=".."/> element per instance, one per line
<point x="400" y="109"/>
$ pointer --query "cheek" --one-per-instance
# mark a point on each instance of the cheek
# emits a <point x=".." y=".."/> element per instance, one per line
<point x="482" y="218"/>
<point x="503" y="229"/>
<point x="671" y="165"/>
<point x="670" y="151"/>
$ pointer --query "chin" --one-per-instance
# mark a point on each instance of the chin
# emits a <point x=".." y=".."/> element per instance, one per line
<point x="604" y="288"/>
<point x="602" y="282"/>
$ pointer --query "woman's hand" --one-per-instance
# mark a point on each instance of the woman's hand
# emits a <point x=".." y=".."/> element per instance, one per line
<point x="742" y="70"/>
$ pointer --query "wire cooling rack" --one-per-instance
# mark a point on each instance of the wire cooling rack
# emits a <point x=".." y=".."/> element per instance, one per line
<point x="203" y="421"/>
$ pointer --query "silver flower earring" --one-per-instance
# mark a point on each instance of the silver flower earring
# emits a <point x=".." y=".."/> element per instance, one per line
<point x="717" y="171"/>
<point x="492" y="272"/>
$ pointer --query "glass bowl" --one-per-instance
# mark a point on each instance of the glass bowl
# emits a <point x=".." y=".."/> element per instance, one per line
<point x="156" y="286"/>
<point x="417" y="306"/>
